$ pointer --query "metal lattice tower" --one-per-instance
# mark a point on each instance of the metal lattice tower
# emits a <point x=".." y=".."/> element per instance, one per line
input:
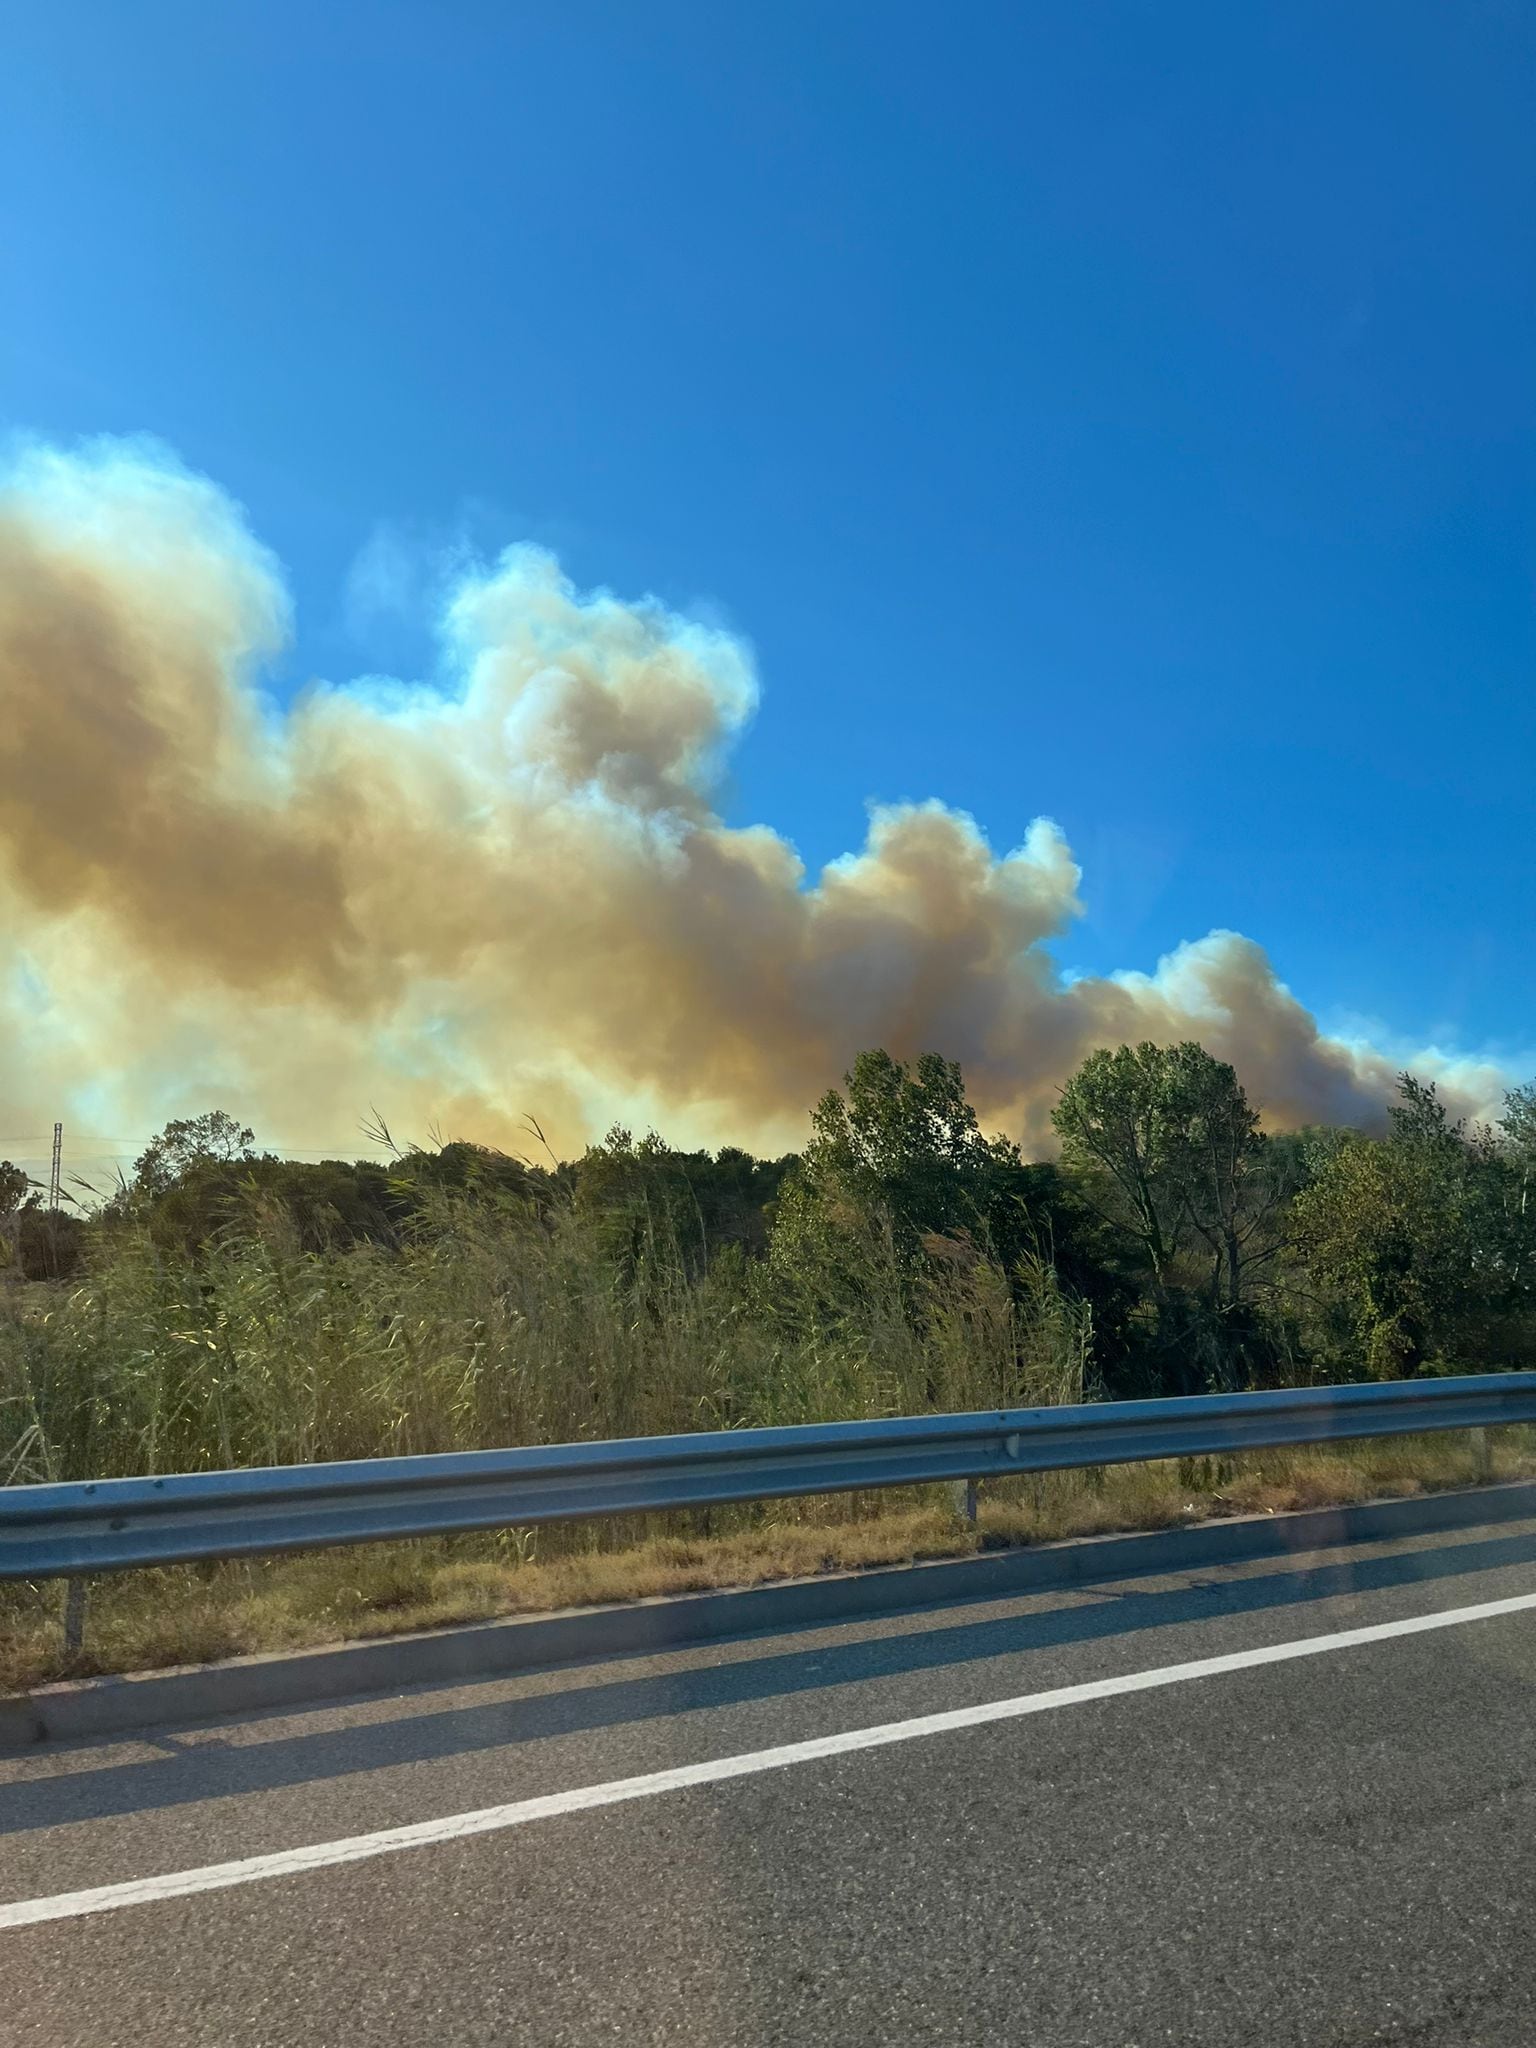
<point x="55" y="1179"/>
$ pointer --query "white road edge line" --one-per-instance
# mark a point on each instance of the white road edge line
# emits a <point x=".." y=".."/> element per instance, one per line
<point x="487" y="1820"/>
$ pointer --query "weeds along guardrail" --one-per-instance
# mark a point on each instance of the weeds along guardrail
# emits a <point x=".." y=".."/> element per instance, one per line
<point x="79" y="1528"/>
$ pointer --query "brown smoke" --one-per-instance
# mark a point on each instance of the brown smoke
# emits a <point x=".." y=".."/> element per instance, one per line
<point x="510" y="894"/>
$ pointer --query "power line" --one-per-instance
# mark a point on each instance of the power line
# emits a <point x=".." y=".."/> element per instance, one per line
<point x="77" y="1142"/>
<point x="79" y="1138"/>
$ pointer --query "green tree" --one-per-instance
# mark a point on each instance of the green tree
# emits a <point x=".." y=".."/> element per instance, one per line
<point x="1118" y="1127"/>
<point x="1042" y="1220"/>
<point x="1518" y="1126"/>
<point x="896" y="1173"/>
<point x="1167" y="1147"/>
<point x="903" y="1143"/>
<point x="704" y="1204"/>
<point x="14" y="1182"/>
<point x="1169" y="1142"/>
<point x="1516" y="1145"/>
<point x="187" y="1142"/>
<point x="910" y="1249"/>
<point x="316" y="1204"/>
<point x="1403" y="1234"/>
<point x="50" y="1243"/>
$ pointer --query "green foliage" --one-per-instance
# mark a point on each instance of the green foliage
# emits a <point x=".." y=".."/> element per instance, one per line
<point x="50" y="1244"/>
<point x="231" y="1307"/>
<point x="1423" y="1243"/>
<point x="494" y="1322"/>
<point x="912" y="1248"/>
<point x="1166" y="1144"/>
<point x="14" y="1182"/>
<point x="1509" y="1158"/>
<point x="700" y="1204"/>
<point x="187" y="1143"/>
<point x="1518" y="1130"/>
<point x="1119" y="1125"/>
<point x="904" y="1144"/>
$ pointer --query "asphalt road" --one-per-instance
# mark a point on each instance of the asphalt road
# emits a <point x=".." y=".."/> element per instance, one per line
<point x="1325" y="1850"/>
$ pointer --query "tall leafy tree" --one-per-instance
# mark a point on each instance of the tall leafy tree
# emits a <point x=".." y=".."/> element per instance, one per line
<point x="187" y="1142"/>
<point x="1118" y="1126"/>
<point x="1516" y="1141"/>
<point x="1167" y="1147"/>
<point x="1404" y="1233"/>
<point x="904" y="1142"/>
<point x="1169" y="1142"/>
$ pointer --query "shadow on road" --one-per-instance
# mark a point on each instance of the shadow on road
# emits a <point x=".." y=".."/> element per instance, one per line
<point x="207" y="1771"/>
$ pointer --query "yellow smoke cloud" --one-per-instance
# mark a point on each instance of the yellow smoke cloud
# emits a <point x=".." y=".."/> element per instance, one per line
<point x="512" y="894"/>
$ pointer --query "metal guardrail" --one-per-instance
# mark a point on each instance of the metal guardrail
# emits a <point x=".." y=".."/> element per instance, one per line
<point x="102" y="1525"/>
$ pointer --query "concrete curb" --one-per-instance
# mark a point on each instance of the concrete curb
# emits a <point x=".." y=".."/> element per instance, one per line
<point x="450" y="1656"/>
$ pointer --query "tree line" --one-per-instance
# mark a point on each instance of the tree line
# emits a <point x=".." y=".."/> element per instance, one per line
<point x="1173" y="1246"/>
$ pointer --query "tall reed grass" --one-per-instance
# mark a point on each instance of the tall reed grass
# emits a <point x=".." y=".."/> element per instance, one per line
<point x="496" y="1324"/>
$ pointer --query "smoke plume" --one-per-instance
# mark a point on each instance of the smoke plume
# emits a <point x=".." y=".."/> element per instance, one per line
<point x="508" y="891"/>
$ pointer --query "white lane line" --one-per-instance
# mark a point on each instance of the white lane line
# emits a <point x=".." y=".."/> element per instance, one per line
<point x="489" y="1819"/>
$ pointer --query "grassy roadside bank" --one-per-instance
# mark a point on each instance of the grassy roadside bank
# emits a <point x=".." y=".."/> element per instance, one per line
<point x="148" y="1620"/>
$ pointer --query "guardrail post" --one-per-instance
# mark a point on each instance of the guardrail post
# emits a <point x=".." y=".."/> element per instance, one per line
<point x="965" y="1500"/>
<point x="74" y="1616"/>
<point x="1482" y="1454"/>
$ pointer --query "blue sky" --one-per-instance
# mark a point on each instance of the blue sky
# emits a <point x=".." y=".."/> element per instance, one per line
<point x="1119" y="412"/>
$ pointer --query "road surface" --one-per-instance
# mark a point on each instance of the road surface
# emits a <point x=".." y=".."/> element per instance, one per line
<point x="1283" y="1802"/>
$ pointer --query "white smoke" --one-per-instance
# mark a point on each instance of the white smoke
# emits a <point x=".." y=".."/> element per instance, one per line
<point x="506" y="892"/>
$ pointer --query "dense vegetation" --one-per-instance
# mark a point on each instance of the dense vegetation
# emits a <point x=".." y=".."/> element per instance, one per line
<point x="228" y="1306"/>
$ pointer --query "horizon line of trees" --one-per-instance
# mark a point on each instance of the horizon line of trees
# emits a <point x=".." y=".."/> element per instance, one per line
<point x="1173" y="1247"/>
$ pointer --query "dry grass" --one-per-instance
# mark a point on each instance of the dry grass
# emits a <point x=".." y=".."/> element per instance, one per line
<point x="146" y="1620"/>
